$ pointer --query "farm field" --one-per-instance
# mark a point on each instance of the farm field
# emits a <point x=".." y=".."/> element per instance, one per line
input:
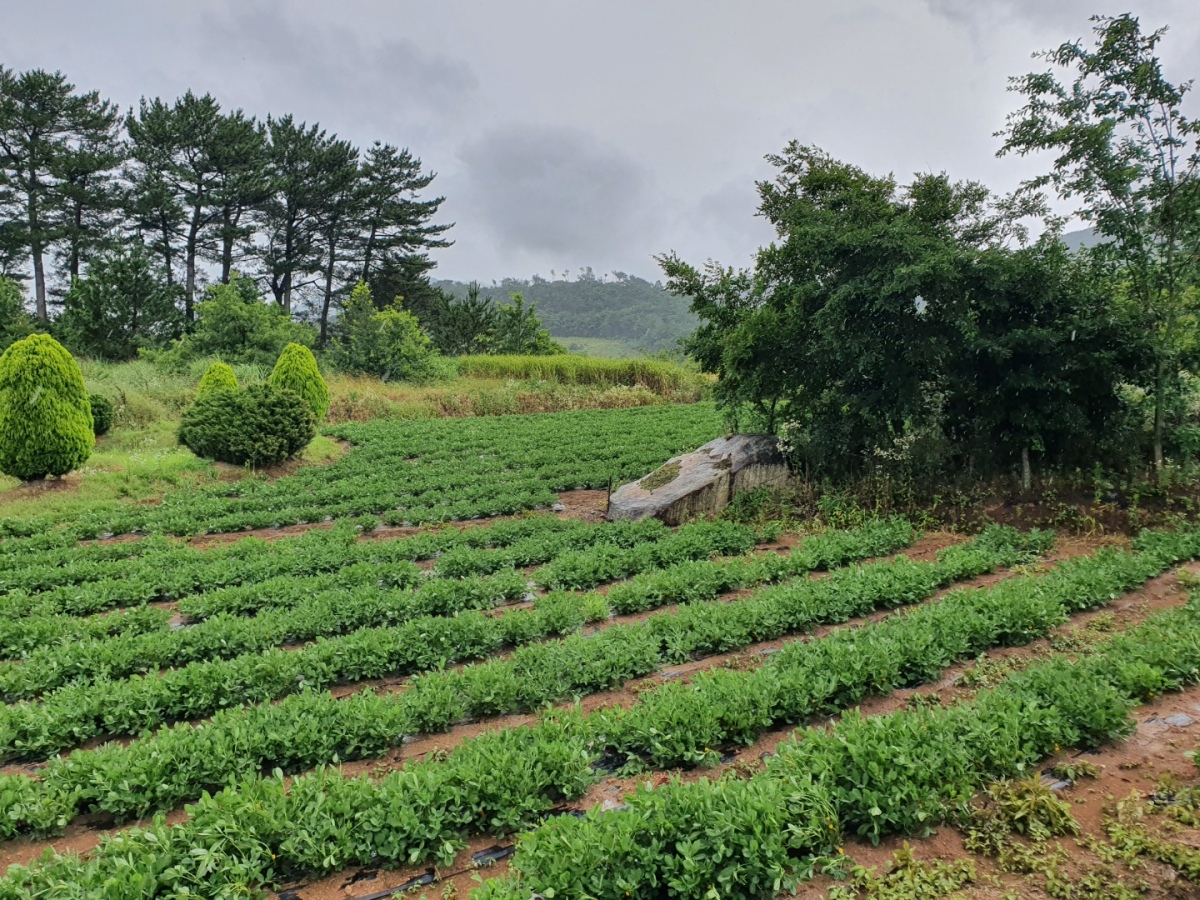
<point x="402" y="669"/>
<point x="411" y="473"/>
<point x="540" y="705"/>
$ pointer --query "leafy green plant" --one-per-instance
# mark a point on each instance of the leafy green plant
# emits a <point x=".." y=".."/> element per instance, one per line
<point x="102" y="414"/>
<point x="261" y="425"/>
<point x="46" y="423"/>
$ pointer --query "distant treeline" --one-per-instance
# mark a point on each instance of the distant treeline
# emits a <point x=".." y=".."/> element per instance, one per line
<point x="619" y="307"/>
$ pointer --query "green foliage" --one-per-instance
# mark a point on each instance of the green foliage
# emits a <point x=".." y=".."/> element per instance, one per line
<point x="388" y="344"/>
<point x="217" y="377"/>
<point x="973" y="352"/>
<point x="123" y="303"/>
<point x="618" y="306"/>
<point x="15" y="322"/>
<point x="234" y="323"/>
<point x="102" y="414"/>
<point x="1126" y="149"/>
<point x="45" y="417"/>
<point x="259" y="426"/>
<point x="907" y="878"/>
<point x="724" y="838"/>
<point x="1024" y="806"/>
<point x="397" y="470"/>
<point x="296" y="370"/>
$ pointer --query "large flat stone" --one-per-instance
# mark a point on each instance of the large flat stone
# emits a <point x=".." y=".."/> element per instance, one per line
<point x="703" y="482"/>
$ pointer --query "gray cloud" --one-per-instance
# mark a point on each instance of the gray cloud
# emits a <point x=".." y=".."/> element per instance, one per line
<point x="555" y="190"/>
<point x="338" y="73"/>
<point x="646" y="122"/>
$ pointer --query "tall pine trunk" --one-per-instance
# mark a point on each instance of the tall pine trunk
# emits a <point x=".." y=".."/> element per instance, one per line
<point x="328" y="300"/>
<point x="189" y="293"/>
<point x="36" y="248"/>
<point x="227" y="225"/>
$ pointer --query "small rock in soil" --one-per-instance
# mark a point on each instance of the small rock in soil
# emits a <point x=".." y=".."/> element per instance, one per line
<point x="1179" y="720"/>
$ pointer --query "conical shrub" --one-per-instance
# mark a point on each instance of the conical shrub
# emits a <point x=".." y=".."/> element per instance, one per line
<point x="45" y="417"/>
<point x="296" y="370"/>
<point x="218" y="376"/>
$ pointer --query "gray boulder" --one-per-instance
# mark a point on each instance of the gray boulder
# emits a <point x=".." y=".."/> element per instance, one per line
<point x="703" y="482"/>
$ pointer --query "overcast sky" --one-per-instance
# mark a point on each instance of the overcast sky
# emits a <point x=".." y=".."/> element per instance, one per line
<point x="569" y="134"/>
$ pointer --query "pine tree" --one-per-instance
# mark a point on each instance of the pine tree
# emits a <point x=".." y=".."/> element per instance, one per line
<point x="42" y="122"/>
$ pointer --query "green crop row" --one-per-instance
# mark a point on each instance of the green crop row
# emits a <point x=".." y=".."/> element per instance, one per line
<point x="426" y="471"/>
<point x="21" y="636"/>
<point x="176" y="570"/>
<point x="332" y="603"/>
<point x="76" y="713"/>
<point x="898" y="773"/>
<point x="262" y="831"/>
<point x="303" y="731"/>
<point x="230" y="637"/>
<point x="58" y="549"/>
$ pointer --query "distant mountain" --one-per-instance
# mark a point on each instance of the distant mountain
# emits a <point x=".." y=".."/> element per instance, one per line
<point x="1085" y="237"/>
<point x="640" y="314"/>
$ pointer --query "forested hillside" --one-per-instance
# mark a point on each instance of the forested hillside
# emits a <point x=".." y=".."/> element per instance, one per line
<point x="621" y="307"/>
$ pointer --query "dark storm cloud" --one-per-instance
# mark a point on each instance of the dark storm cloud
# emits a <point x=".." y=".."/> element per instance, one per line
<point x="556" y="190"/>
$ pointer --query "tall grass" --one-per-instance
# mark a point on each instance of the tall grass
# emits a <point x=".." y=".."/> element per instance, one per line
<point x="143" y="394"/>
<point x="657" y="375"/>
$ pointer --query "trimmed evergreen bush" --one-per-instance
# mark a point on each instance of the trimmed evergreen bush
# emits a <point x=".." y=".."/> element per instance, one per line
<point x="217" y="376"/>
<point x="260" y="426"/>
<point x="45" y="416"/>
<point x="102" y="414"/>
<point x="296" y="370"/>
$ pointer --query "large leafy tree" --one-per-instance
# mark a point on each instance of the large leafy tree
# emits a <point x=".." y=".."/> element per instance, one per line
<point x="44" y="123"/>
<point x="885" y="312"/>
<point x="1034" y="366"/>
<point x="1124" y="149"/>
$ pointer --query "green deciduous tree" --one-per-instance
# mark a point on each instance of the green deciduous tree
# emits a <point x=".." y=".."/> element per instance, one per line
<point x="893" y="325"/>
<point x="121" y="304"/>
<point x="387" y="344"/>
<point x="1125" y="149"/>
<point x="45" y="417"/>
<point x="234" y="324"/>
